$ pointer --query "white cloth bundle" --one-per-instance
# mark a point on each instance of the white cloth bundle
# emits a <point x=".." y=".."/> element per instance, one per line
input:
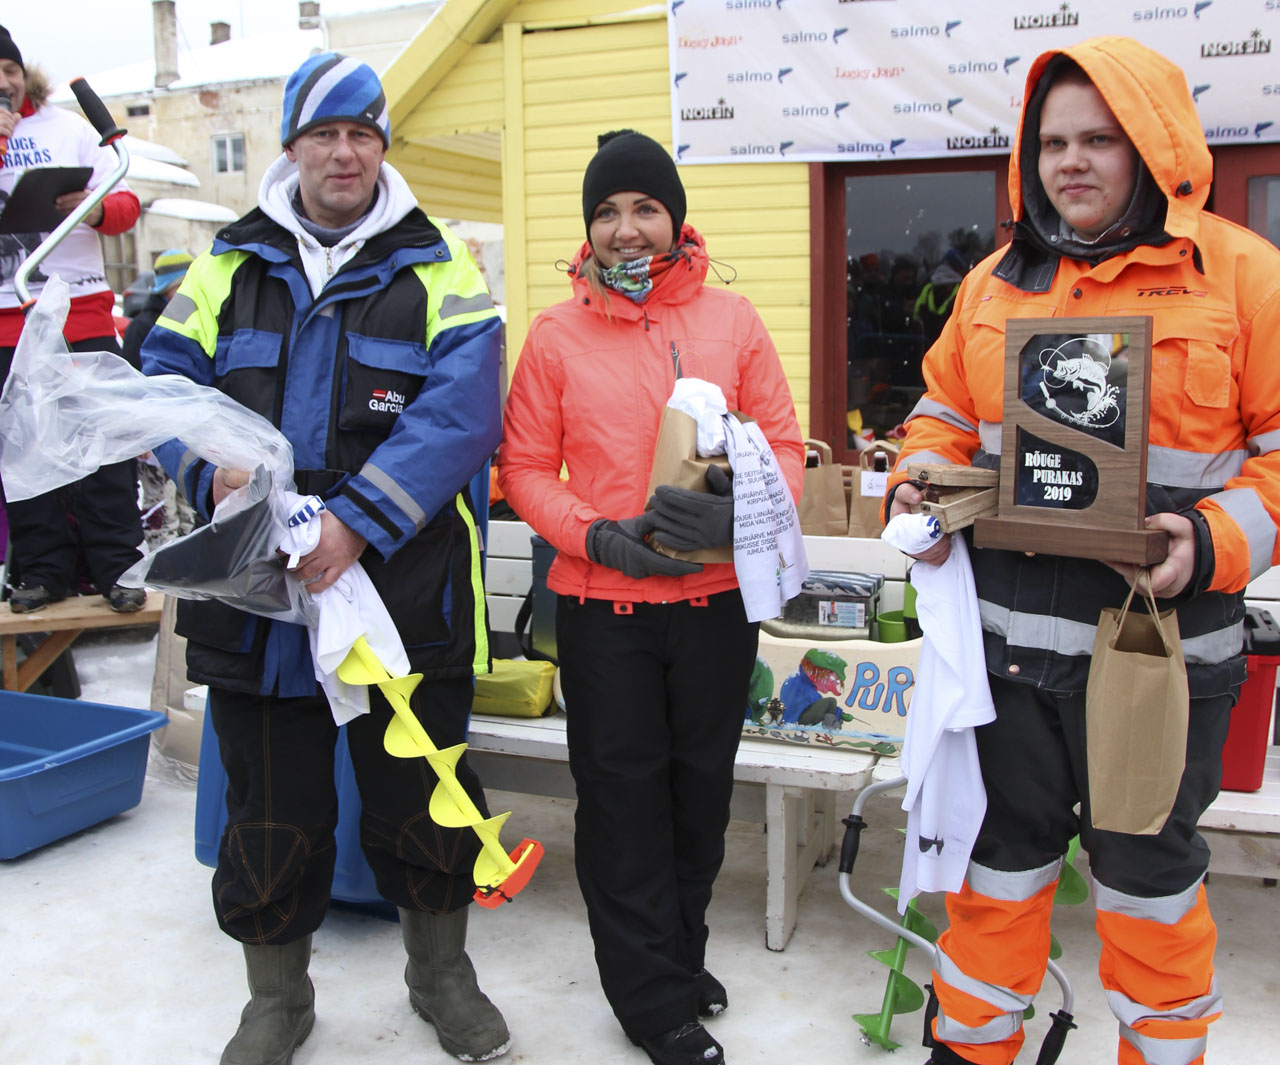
<point x="349" y="608"/>
<point x="945" y="799"/>
<point x="768" y="547"/>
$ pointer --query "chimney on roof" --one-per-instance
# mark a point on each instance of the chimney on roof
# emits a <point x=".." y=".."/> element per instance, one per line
<point x="219" y="32"/>
<point x="164" y="20"/>
<point x="308" y="14"/>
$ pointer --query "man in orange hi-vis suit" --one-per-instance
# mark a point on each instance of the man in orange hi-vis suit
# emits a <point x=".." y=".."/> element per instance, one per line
<point x="1108" y="180"/>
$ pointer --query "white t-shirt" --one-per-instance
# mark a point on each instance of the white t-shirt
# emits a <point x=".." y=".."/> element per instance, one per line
<point x="54" y="137"/>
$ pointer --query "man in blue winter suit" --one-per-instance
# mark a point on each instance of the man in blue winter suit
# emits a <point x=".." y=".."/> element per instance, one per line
<point x="365" y="332"/>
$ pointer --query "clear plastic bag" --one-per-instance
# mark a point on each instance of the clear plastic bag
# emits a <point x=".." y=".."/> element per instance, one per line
<point x="64" y="414"/>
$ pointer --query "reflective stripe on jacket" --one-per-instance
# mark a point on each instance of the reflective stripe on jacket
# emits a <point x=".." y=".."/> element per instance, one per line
<point x="588" y="393"/>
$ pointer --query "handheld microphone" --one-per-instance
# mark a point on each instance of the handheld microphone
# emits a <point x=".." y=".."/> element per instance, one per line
<point x="6" y="103"/>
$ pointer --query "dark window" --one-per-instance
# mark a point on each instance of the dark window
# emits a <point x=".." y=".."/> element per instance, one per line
<point x="228" y="153"/>
<point x="138" y="110"/>
<point x="896" y="237"/>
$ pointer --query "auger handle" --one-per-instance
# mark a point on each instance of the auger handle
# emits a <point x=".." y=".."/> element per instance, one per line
<point x="96" y="112"/>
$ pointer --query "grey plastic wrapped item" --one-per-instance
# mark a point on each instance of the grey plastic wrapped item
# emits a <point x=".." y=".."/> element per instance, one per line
<point x="233" y="559"/>
<point x="64" y="414"/>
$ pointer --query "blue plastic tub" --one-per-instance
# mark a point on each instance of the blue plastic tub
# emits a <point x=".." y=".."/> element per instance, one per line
<point x="66" y="765"/>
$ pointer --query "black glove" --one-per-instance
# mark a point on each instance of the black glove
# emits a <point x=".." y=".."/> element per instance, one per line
<point x="620" y="545"/>
<point x="685" y="520"/>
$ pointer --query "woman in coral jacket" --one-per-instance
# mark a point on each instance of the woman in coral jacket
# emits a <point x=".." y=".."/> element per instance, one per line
<point x="655" y="654"/>
<point x="1108" y="182"/>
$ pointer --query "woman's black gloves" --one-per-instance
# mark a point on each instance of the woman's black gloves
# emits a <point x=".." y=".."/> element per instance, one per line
<point x="685" y="520"/>
<point x="620" y="545"/>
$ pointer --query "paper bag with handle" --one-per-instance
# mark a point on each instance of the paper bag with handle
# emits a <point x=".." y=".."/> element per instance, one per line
<point x="821" y="506"/>
<point x="676" y="462"/>
<point x="867" y="486"/>
<point x="1136" y="709"/>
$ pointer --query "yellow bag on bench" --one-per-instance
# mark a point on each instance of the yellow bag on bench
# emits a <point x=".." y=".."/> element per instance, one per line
<point x="515" y="689"/>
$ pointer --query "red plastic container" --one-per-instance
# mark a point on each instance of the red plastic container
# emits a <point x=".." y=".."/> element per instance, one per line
<point x="1244" y="755"/>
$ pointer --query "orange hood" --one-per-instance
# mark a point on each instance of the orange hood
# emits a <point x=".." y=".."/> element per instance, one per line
<point x="1149" y="96"/>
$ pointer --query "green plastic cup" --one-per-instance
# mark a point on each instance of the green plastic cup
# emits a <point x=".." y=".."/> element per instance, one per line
<point x="891" y="626"/>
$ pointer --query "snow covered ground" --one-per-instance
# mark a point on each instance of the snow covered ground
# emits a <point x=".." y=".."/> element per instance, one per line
<point x="109" y="952"/>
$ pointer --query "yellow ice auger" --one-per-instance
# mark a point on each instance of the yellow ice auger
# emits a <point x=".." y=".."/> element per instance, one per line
<point x="498" y="876"/>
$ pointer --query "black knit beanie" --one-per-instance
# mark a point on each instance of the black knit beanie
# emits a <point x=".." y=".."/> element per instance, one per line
<point x="9" y="50"/>
<point x="627" y="161"/>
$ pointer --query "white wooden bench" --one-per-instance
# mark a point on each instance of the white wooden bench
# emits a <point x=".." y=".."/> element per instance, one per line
<point x="797" y="792"/>
<point x="1243" y="827"/>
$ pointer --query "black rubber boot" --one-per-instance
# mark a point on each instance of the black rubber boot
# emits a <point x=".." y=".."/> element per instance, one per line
<point x="281" y="1008"/>
<point x="690" y="1044"/>
<point x="443" y="989"/>
<point x="713" y="999"/>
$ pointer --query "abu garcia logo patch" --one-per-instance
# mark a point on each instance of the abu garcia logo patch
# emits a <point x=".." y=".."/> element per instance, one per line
<point x="387" y="399"/>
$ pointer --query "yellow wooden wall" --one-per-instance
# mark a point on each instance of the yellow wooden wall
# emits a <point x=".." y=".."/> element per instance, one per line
<point x="576" y="83"/>
<point x="552" y="77"/>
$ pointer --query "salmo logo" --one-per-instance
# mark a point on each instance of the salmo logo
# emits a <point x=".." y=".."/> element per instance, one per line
<point x="839" y="107"/>
<point x="1160" y="14"/>
<point x="977" y="66"/>
<point x="1050" y="20"/>
<point x="387" y="399"/>
<point x="951" y="104"/>
<point x="736" y="77"/>
<point x="679" y="78"/>
<point x="951" y="26"/>
<point x="1226" y="132"/>
<point x="1260" y="127"/>
<point x="977" y="141"/>
<point x="918" y="107"/>
<point x="807" y="111"/>
<point x="915" y="31"/>
<point x="1254" y="44"/>
<point x="761" y="149"/>
<point x="1195" y="93"/>
<point x="705" y="114"/>
<point x="862" y="147"/>
<point x="815" y="36"/>
<point x="746" y="5"/>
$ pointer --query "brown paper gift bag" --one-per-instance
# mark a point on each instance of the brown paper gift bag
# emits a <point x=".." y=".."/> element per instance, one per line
<point x="821" y="505"/>
<point x="1136" y="709"/>
<point x="864" y="509"/>
<point x="676" y="461"/>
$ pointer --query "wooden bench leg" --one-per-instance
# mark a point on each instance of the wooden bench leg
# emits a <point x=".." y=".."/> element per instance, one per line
<point x="20" y="678"/>
<point x="801" y="833"/>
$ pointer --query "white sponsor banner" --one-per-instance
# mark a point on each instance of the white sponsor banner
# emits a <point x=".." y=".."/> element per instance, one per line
<point x="806" y="80"/>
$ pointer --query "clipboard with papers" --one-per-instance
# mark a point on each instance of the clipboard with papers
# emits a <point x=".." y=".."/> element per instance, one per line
<point x="31" y="207"/>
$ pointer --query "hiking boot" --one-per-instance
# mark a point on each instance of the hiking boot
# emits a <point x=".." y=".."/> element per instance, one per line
<point x="713" y="999"/>
<point x="443" y="989"/>
<point x="126" y="600"/>
<point x="28" y="597"/>
<point x="281" y="1009"/>
<point x="690" y="1044"/>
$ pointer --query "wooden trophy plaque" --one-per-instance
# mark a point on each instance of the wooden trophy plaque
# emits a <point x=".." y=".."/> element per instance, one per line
<point x="1073" y="449"/>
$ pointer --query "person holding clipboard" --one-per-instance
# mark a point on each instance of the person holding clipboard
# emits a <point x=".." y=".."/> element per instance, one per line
<point x="59" y="152"/>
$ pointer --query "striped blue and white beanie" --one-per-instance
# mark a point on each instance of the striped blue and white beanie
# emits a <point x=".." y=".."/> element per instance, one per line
<point x="333" y="88"/>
